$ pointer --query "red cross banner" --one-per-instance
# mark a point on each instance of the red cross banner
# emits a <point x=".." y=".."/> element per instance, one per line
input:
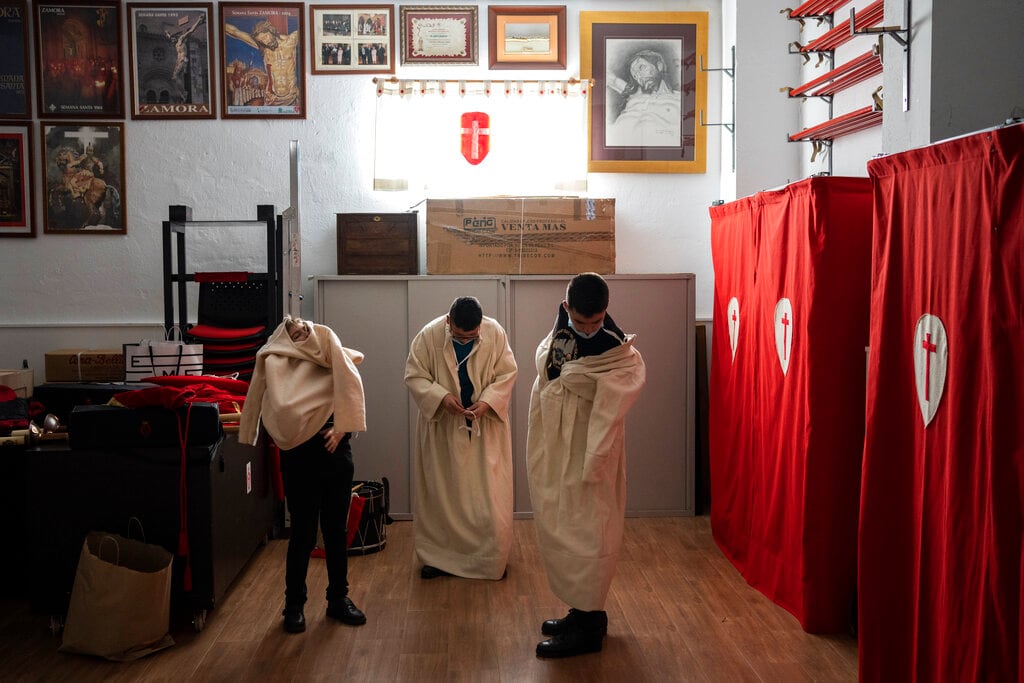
<point x="476" y="136"/>
<point x="941" y="575"/>
<point x="784" y="495"/>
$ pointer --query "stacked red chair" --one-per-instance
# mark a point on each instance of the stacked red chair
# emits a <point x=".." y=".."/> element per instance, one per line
<point x="233" y="323"/>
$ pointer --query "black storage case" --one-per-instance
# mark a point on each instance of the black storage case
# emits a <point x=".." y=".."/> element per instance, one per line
<point x="60" y="398"/>
<point x="231" y="513"/>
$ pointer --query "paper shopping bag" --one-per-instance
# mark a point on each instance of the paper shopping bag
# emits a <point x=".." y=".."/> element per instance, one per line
<point x="121" y="599"/>
<point x="159" y="358"/>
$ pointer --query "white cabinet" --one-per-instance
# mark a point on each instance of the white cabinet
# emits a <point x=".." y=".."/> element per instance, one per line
<point x="379" y="315"/>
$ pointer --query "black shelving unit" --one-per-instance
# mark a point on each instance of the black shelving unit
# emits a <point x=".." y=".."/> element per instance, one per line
<point x="240" y="299"/>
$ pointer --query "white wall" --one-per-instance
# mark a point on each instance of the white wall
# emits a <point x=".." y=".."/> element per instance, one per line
<point x="224" y="169"/>
<point x="965" y="71"/>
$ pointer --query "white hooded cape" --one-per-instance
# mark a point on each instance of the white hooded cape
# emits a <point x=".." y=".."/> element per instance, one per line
<point x="462" y="511"/>
<point x="575" y="461"/>
<point x="296" y="386"/>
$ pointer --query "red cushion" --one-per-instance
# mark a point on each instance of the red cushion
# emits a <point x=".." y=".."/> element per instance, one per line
<point x="232" y="386"/>
<point x="213" y="332"/>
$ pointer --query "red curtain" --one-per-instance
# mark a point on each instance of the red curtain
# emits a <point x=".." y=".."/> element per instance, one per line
<point x="940" y="567"/>
<point x="734" y="239"/>
<point x="787" y="419"/>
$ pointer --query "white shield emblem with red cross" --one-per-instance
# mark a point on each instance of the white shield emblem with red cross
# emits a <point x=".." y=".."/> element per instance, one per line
<point x="476" y="136"/>
<point x="931" y="354"/>
<point x="784" y="332"/>
<point x="733" y="314"/>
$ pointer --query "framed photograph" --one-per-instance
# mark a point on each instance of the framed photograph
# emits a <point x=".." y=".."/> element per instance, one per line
<point x="16" y="215"/>
<point x="263" y="60"/>
<point x="15" y="102"/>
<point x="78" y="59"/>
<point x="352" y="39"/>
<point x="526" y="37"/>
<point x="647" y="89"/>
<point x="439" y="34"/>
<point x="83" y="170"/>
<point x="171" y="56"/>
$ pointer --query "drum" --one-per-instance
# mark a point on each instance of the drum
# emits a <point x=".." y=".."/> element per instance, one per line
<point x="371" y="534"/>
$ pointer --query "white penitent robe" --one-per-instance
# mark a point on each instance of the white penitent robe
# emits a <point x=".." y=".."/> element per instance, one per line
<point x="462" y="511"/>
<point x="575" y="461"/>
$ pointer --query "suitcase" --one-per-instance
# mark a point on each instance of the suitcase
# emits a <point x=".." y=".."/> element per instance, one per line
<point x="118" y="427"/>
<point x="60" y="397"/>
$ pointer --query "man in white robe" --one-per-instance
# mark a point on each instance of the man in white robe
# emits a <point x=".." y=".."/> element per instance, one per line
<point x="460" y="373"/>
<point x="588" y="377"/>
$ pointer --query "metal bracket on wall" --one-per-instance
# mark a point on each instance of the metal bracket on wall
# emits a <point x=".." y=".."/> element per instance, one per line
<point x="901" y="34"/>
<point x="731" y="127"/>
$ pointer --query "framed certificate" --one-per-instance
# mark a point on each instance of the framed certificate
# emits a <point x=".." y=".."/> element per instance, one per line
<point x="439" y="35"/>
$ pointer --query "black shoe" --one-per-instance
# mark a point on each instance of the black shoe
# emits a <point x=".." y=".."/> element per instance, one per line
<point x="346" y="612"/>
<point x="569" y="645"/>
<point x="428" y="572"/>
<point x="582" y="632"/>
<point x="556" y="627"/>
<point x="294" y="620"/>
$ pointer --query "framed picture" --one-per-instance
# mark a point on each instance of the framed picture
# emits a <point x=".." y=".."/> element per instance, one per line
<point x="170" y="55"/>
<point x="439" y="34"/>
<point x="647" y="88"/>
<point x="352" y="39"/>
<point x="78" y="59"/>
<point x="16" y="215"/>
<point x="83" y="170"/>
<point x="526" y="37"/>
<point x="263" y="60"/>
<point x="15" y="102"/>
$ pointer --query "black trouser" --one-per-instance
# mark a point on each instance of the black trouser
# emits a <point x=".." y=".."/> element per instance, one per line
<point x="318" y="486"/>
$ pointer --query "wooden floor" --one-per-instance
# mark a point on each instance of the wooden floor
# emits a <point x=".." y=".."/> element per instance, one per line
<point x="678" y="611"/>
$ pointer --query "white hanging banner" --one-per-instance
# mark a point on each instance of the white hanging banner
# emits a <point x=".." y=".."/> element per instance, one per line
<point x="535" y="144"/>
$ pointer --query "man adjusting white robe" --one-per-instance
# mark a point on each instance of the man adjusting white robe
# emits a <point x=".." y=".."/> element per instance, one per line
<point x="575" y="461"/>
<point x="462" y="512"/>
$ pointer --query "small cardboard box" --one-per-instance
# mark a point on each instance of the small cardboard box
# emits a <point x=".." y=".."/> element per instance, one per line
<point x="21" y="381"/>
<point x="85" y="365"/>
<point x="520" y="236"/>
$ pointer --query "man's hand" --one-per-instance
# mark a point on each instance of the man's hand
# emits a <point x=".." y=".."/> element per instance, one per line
<point x="454" y="406"/>
<point x="477" y="410"/>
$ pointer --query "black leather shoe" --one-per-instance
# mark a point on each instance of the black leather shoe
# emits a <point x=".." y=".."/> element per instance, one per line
<point x="428" y="572"/>
<point x="346" y="612"/>
<point x="569" y="645"/>
<point x="582" y="632"/>
<point x="556" y="627"/>
<point x="294" y="620"/>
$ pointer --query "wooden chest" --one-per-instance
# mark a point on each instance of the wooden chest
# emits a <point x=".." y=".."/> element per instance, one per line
<point x="377" y="243"/>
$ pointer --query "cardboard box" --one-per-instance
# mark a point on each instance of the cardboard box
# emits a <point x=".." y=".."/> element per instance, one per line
<point x="21" y="381"/>
<point x="85" y="365"/>
<point x="520" y="236"/>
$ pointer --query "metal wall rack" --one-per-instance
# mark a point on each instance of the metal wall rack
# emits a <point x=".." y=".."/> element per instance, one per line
<point x="731" y="127"/>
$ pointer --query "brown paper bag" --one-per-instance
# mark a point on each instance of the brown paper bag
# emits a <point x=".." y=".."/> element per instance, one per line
<point x="121" y="599"/>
